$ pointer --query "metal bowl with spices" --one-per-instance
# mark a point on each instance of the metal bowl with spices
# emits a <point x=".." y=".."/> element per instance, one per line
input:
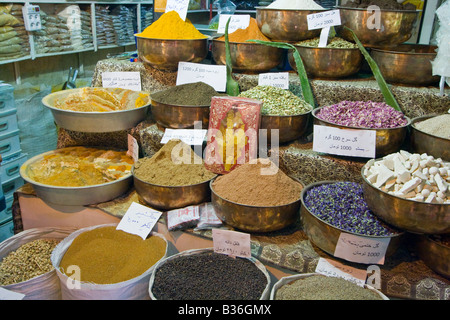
<point x="434" y="250"/>
<point x="290" y="127"/>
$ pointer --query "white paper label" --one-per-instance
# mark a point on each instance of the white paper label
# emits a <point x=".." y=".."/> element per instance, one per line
<point x="238" y="21"/>
<point x="180" y="6"/>
<point x="232" y="243"/>
<point x="214" y="75"/>
<point x="31" y="17"/>
<point x="323" y="19"/>
<point x="139" y="220"/>
<point x="192" y="137"/>
<point x="333" y="268"/>
<point x="125" y="80"/>
<point x="6" y="294"/>
<point x="344" y="142"/>
<point x="133" y="148"/>
<point x="274" y="79"/>
<point x="358" y="249"/>
<point x="323" y="39"/>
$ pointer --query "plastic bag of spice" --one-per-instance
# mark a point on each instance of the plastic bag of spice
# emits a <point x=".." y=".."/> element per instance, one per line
<point x="183" y="218"/>
<point x="42" y="287"/>
<point x="232" y="138"/>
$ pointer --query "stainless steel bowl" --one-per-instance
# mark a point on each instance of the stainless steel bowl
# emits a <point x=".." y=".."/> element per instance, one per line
<point x="171" y="197"/>
<point x="408" y="64"/>
<point x="388" y="140"/>
<point x="247" y="57"/>
<point x="179" y="117"/>
<point x="76" y="196"/>
<point x="326" y="236"/>
<point x="289" y="127"/>
<point x="164" y="54"/>
<point x="396" y="26"/>
<point x="253" y="218"/>
<point x="422" y="142"/>
<point x="408" y="215"/>
<point x="329" y="63"/>
<point x="285" y="25"/>
<point x="434" y="253"/>
<point x="93" y="121"/>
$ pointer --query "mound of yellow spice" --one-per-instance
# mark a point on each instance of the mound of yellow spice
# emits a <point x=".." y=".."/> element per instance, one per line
<point x="106" y="255"/>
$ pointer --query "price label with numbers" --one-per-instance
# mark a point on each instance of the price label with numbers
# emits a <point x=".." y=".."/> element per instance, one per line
<point x="333" y="268"/>
<point x="192" y="137"/>
<point x="232" y="243"/>
<point x="359" y="249"/>
<point x="126" y="80"/>
<point x="274" y="79"/>
<point x="214" y="75"/>
<point x="139" y="220"/>
<point x="323" y="19"/>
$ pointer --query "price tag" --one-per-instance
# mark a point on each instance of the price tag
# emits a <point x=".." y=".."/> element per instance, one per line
<point x="344" y="142"/>
<point x="323" y="19"/>
<point x="124" y="80"/>
<point x="31" y="17"/>
<point x="232" y="243"/>
<point x="238" y="21"/>
<point x="192" y="137"/>
<point x="6" y="294"/>
<point x="274" y="79"/>
<point x="333" y="268"/>
<point x="133" y="148"/>
<point x="139" y="220"/>
<point x="361" y="249"/>
<point x="180" y="6"/>
<point x="214" y="75"/>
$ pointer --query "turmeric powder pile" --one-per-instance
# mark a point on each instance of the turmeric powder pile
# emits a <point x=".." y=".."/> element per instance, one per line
<point x="252" y="32"/>
<point x="171" y="26"/>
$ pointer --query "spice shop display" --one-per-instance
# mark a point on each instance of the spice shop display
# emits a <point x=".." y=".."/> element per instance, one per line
<point x="409" y="191"/>
<point x="206" y="275"/>
<point x="232" y="136"/>
<point x="175" y="177"/>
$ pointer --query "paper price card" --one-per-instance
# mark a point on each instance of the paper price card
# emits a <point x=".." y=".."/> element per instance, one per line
<point x="323" y="19"/>
<point x="192" y="137"/>
<point x="344" y="142"/>
<point x="359" y="249"/>
<point x="333" y="268"/>
<point x="180" y="6"/>
<point x="274" y="79"/>
<point x="126" y="80"/>
<point x="232" y="243"/>
<point x="238" y="21"/>
<point x="139" y="220"/>
<point x="214" y="75"/>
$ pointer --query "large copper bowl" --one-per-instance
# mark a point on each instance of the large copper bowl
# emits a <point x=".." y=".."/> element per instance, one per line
<point x="396" y="26"/>
<point x="330" y="63"/>
<point x="408" y="64"/>
<point x="285" y="25"/>
<point x="289" y="128"/>
<point x="422" y="142"/>
<point x="179" y="117"/>
<point x="247" y="57"/>
<point x="435" y="254"/>
<point x="388" y="140"/>
<point x="405" y="214"/>
<point x="164" y="54"/>
<point x="253" y="218"/>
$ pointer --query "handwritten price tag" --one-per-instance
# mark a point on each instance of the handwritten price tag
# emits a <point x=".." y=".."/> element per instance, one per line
<point x="192" y="137"/>
<point x="180" y="6"/>
<point x="125" y="80"/>
<point x="323" y="19"/>
<point x="232" y="243"/>
<point x="238" y="21"/>
<point x="361" y="249"/>
<point x="344" y="142"/>
<point x="139" y="220"/>
<point x="274" y="79"/>
<point x="333" y="268"/>
<point x="214" y="75"/>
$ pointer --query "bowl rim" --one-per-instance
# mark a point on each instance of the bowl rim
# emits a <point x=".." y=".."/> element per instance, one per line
<point x="25" y="176"/>
<point x="308" y="187"/>
<point x="413" y="45"/>
<point x="215" y="40"/>
<point x="322" y="48"/>
<point x="182" y="40"/>
<point x="288" y="115"/>
<point x="429" y="238"/>
<point x="257" y="207"/>
<point x="382" y="10"/>
<point x="294" y="10"/>
<point x="423" y="118"/>
<point x="391" y="195"/>
<point x="361" y="128"/>
<point x="177" y="105"/>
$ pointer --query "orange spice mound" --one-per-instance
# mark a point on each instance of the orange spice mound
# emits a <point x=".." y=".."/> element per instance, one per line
<point x="251" y="32"/>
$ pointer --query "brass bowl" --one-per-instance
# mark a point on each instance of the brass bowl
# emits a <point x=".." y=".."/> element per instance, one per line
<point x="408" y="64"/>
<point x="388" y="140"/>
<point x="164" y="54"/>
<point x="289" y="128"/>
<point x="434" y="253"/>
<point x="326" y="236"/>
<point x="422" y="142"/>
<point x="408" y="215"/>
<point x="247" y="57"/>
<point x="329" y="63"/>
<point x="253" y="218"/>
<point x="179" y="117"/>
<point x="285" y="25"/>
<point x="171" y="197"/>
<point x="396" y="26"/>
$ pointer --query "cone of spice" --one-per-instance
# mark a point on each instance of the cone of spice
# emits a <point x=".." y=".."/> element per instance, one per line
<point x="252" y="32"/>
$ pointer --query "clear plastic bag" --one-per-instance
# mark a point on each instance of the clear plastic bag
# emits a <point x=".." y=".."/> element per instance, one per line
<point x="223" y="7"/>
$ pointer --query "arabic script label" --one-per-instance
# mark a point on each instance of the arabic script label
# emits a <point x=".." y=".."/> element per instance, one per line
<point x="368" y="250"/>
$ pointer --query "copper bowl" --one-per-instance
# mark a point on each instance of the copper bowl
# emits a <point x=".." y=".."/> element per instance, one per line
<point x="247" y="57"/>
<point x="408" y="64"/>
<point x="178" y="116"/>
<point x="291" y="127"/>
<point x="388" y="140"/>
<point x="396" y="26"/>
<point x="254" y="218"/>
<point x="285" y="25"/>
<point x="434" y="253"/>
<point x="330" y="63"/>
<point x="164" y="54"/>
<point x="422" y="142"/>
